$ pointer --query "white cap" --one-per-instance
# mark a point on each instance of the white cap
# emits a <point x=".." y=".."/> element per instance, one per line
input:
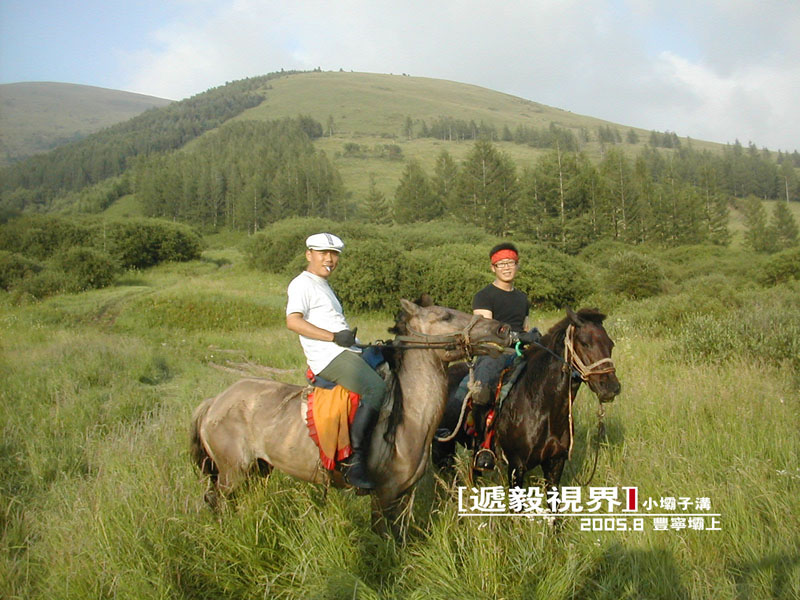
<point x="324" y="241"/>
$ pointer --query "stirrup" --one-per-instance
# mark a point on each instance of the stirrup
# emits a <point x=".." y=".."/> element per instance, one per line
<point x="484" y="460"/>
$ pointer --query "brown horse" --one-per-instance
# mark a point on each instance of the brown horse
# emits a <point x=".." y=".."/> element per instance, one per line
<point x="256" y="424"/>
<point x="533" y="426"/>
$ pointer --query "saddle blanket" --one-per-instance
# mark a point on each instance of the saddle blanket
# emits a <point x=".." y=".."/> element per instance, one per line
<point x="328" y="414"/>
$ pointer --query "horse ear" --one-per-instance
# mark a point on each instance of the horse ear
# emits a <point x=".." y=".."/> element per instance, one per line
<point x="409" y="308"/>
<point x="425" y="300"/>
<point x="574" y="318"/>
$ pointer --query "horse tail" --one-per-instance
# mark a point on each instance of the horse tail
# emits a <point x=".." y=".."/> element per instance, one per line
<point x="198" y="450"/>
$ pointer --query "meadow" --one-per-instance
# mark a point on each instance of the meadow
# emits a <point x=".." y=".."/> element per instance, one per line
<point x="100" y="499"/>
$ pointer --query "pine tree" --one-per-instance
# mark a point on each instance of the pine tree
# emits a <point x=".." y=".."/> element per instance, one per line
<point x="784" y="226"/>
<point x="487" y="189"/>
<point x="376" y="209"/>
<point x="414" y="199"/>
<point x="445" y="176"/>
<point x="758" y="234"/>
<point x="616" y="170"/>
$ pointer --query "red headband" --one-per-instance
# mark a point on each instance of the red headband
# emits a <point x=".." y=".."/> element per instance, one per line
<point x="502" y="254"/>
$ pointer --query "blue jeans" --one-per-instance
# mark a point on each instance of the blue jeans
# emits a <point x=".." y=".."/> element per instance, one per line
<point x="487" y="370"/>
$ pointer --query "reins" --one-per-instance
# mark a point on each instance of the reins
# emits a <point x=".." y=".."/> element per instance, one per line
<point x="416" y="340"/>
<point x="575" y="362"/>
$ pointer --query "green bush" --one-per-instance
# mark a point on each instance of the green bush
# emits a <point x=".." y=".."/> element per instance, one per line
<point x="279" y="248"/>
<point x="552" y="279"/>
<point x="668" y="314"/>
<point x="450" y="274"/>
<point x="137" y="243"/>
<point x="43" y="284"/>
<point x="781" y="267"/>
<point x="599" y="254"/>
<point x="41" y="237"/>
<point x="449" y="261"/>
<point x="763" y="331"/>
<point x="687" y="262"/>
<point x="275" y="247"/>
<point x="14" y="267"/>
<point x="141" y="243"/>
<point x="87" y="268"/>
<point x="438" y="233"/>
<point x="368" y="276"/>
<point x="635" y="275"/>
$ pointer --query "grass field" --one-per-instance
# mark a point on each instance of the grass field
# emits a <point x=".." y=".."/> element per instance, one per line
<point x="100" y="500"/>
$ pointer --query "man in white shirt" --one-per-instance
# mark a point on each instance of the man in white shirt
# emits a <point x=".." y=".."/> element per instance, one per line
<point x="314" y="312"/>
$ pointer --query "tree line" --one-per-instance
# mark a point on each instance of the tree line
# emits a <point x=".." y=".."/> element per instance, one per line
<point x="247" y="175"/>
<point x="244" y="176"/>
<point x="565" y="200"/>
<point x="35" y="182"/>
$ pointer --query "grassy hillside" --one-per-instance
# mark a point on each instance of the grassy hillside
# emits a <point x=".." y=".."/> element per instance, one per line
<point x="371" y="109"/>
<point x="39" y="116"/>
<point x="99" y="497"/>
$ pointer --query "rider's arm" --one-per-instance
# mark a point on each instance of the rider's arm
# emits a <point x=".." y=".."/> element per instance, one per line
<point x="295" y="322"/>
<point x="482" y="312"/>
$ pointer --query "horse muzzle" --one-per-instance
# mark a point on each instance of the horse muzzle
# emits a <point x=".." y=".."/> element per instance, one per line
<point x="608" y="389"/>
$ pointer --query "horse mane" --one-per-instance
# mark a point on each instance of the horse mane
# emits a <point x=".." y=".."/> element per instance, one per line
<point x="394" y="358"/>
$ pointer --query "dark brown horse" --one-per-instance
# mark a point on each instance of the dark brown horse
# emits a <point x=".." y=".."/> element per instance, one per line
<point x="533" y="426"/>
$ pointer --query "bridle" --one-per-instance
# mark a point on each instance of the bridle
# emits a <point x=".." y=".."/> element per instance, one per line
<point x="573" y="361"/>
<point x="585" y="371"/>
<point x="416" y="340"/>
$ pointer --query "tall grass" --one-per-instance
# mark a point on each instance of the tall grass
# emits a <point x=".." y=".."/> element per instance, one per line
<point x="100" y="500"/>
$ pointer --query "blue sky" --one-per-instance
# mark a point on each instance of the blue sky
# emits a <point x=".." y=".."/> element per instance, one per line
<point x="718" y="70"/>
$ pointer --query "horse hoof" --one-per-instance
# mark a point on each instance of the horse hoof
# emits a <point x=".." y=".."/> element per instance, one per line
<point x="484" y="460"/>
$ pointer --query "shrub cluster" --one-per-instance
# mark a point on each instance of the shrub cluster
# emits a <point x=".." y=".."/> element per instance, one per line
<point x="447" y="260"/>
<point x="42" y="255"/>
<point x="765" y="329"/>
<point x="635" y="275"/>
<point x="142" y="243"/>
<point x="87" y="268"/>
<point x="15" y="267"/>
<point x="781" y="267"/>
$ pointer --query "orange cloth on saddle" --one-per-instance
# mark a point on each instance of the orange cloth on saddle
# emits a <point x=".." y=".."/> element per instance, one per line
<point x="329" y="415"/>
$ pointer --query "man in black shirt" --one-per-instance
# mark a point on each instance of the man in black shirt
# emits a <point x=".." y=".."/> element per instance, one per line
<point x="501" y="301"/>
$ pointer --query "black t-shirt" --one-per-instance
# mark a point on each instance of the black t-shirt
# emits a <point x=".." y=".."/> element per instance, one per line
<point x="507" y="307"/>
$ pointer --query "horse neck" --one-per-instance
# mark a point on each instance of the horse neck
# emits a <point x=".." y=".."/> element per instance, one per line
<point x="423" y="379"/>
<point x="547" y="380"/>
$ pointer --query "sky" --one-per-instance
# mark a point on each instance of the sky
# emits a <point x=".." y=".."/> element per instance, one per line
<point x="717" y="70"/>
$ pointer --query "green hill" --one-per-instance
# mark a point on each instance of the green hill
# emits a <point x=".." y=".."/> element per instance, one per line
<point x="38" y="116"/>
<point x="339" y="145"/>
<point x="371" y="110"/>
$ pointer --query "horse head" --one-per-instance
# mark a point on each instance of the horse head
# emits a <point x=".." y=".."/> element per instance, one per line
<point x="588" y="350"/>
<point x="456" y="333"/>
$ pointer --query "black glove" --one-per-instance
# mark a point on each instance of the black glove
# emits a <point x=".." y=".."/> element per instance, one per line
<point x="345" y="337"/>
<point x="532" y="336"/>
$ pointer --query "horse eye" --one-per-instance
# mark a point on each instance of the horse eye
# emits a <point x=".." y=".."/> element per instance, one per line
<point x="448" y="316"/>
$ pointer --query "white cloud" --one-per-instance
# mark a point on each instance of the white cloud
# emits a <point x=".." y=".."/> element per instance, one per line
<point x="684" y="66"/>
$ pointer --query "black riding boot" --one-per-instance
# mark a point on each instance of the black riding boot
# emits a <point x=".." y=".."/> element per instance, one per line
<point x="360" y="436"/>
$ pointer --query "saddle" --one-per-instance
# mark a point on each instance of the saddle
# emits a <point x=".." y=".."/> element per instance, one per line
<point x="328" y="413"/>
<point x="328" y="410"/>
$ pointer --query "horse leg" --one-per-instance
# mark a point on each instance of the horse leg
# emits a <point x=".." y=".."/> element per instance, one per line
<point x="552" y="468"/>
<point x="443" y="455"/>
<point x="392" y="517"/>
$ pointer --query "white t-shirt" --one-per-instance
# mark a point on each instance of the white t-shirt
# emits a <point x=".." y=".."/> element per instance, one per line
<point x="312" y="296"/>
